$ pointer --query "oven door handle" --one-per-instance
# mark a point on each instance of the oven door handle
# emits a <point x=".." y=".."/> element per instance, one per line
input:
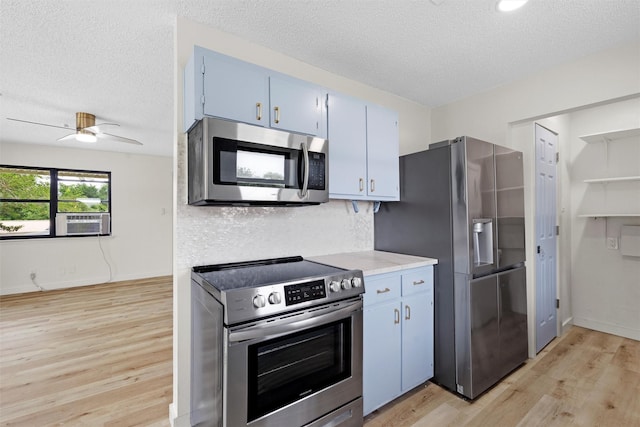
<point x="307" y="320"/>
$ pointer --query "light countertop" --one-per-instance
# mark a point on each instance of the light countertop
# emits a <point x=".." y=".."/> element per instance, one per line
<point x="374" y="262"/>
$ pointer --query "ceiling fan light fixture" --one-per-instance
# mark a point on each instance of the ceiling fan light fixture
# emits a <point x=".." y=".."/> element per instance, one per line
<point x="84" y="136"/>
<point x="510" y="5"/>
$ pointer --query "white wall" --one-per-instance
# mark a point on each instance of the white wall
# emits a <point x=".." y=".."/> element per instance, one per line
<point x="209" y="235"/>
<point x="606" y="285"/>
<point x="141" y="224"/>
<point x="506" y="115"/>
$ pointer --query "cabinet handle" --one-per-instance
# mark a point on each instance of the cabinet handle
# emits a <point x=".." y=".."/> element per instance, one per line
<point x="361" y="184"/>
<point x="383" y="291"/>
<point x="373" y="185"/>
<point x="276" y="114"/>
<point x="258" y="111"/>
<point x="396" y="314"/>
<point x="419" y="282"/>
<point x="407" y="312"/>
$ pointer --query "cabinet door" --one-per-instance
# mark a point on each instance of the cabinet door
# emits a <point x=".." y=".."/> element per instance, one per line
<point x="235" y="90"/>
<point x="417" y="340"/>
<point x="382" y="154"/>
<point x="296" y="105"/>
<point x="347" y="134"/>
<point x="381" y="367"/>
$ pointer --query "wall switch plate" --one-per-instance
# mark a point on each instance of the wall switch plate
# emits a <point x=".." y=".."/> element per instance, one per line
<point x="612" y="243"/>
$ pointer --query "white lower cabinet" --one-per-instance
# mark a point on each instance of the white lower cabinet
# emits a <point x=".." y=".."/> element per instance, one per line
<point x="398" y="334"/>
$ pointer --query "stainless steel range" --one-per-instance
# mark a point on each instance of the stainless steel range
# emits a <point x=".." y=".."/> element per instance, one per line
<point x="276" y="342"/>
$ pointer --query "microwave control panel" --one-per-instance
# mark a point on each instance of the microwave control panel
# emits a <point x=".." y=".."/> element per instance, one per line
<point x="316" y="171"/>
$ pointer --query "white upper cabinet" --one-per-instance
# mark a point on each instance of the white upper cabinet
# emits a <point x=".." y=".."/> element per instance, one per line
<point x="217" y="85"/>
<point x="383" y="170"/>
<point x="363" y="150"/>
<point x="296" y="105"/>
<point x="235" y="90"/>
<point x="347" y="123"/>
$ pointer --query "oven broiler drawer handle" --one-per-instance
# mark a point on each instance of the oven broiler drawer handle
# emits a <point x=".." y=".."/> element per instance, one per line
<point x="306" y="320"/>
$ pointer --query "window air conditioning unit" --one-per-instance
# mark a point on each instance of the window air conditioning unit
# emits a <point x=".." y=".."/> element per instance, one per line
<point x="82" y="224"/>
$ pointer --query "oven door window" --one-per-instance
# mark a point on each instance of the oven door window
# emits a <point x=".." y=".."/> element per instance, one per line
<point x="286" y="369"/>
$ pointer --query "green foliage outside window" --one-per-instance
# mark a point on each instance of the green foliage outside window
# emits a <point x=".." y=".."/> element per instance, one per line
<point x="24" y="185"/>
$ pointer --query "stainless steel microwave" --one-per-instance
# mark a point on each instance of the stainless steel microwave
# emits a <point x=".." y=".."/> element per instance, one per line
<point x="233" y="163"/>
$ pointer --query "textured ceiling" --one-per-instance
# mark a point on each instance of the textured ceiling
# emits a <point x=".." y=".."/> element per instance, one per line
<point x="114" y="58"/>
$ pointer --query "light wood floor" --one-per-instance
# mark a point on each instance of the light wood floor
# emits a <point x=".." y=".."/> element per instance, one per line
<point x="102" y="356"/>
<point x="91" y="356"/>
<point x="585" y="378"/>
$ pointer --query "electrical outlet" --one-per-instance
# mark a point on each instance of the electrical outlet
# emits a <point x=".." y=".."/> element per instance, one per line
<point x="612" y="243"/>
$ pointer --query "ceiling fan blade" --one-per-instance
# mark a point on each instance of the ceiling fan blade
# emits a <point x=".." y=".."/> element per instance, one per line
<point x="118" y="138"/>
<point x="96" y="128"/>
<point x="39" y="124"/>
<point x="68" y="137"/>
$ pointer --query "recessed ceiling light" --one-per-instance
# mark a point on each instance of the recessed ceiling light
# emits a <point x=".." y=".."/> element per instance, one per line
<point x="509" y="5"/>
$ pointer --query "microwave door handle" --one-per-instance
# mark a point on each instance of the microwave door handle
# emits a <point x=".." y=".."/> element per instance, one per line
<point x="305" y="180"/>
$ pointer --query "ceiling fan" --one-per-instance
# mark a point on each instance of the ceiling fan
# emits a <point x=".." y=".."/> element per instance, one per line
<point x="86" y="130"/>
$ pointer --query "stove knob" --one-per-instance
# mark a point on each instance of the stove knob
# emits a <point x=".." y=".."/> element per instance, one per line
<point x="274" y="298"/>
<point x="259" y="301"/>
<point x="356" y="282"/>
<point x="334" y="286"/>
<point x="346" y="284"/>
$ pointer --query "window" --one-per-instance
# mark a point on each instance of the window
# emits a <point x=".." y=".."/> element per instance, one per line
<point x="48" y="202"/>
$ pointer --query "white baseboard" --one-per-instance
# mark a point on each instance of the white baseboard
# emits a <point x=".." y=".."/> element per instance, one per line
<point x="27" y="287"/>
<point x="178" y="421"/>
<point x="619" y="330"/>
<point x="566" y="325"/>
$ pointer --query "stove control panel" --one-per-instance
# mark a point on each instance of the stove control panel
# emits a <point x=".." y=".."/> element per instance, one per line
<point x="302" y="292"/>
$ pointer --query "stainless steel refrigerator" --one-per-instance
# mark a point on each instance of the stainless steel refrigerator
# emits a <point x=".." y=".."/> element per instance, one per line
<point x="462" y="202"/>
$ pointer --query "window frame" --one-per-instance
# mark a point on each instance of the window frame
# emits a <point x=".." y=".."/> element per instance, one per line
<point x="54" y="201"/>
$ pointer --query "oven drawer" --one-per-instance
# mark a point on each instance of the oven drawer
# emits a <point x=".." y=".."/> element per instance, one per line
<point x="348" y="416"/>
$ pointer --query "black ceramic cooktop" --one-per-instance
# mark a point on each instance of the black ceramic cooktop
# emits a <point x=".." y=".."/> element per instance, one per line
<point x="252" y="274"/>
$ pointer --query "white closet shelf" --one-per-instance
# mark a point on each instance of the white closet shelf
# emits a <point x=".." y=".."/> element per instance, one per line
<point x="615" y="179"/>
<point x="608" y="215"/>
<point x="610" y="136"/>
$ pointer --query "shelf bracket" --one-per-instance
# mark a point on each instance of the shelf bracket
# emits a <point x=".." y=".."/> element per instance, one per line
<point x="354" y="205"/>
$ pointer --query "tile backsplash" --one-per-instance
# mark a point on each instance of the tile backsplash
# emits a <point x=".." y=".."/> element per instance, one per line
<point x="212" y="234"/>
